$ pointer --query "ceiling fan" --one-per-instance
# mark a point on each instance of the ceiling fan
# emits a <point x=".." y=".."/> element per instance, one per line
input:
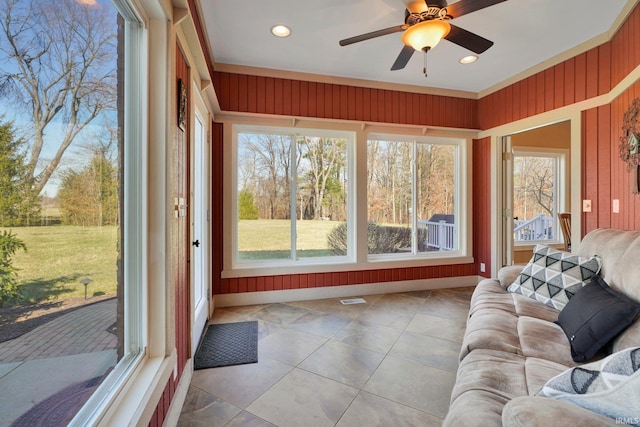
<point x="426" y="23"/>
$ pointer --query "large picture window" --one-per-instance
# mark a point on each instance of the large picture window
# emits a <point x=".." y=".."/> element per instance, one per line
<point x="71" y="211"/>
<point x="412" y="196"/>
<point x="295" y="206"/>
<point x="292" y="195"/>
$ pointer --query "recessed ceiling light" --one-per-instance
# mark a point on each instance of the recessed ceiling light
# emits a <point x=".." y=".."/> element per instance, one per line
<point x="280" y="30"/>
<point x="469" y="59"/>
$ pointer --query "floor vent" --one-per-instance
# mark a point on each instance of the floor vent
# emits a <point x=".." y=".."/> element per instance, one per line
<point x="352" y="301"/>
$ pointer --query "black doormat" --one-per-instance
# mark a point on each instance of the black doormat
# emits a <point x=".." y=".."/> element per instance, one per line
<point x="227" y="344"/>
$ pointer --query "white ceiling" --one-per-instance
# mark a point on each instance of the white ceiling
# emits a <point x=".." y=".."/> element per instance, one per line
<point x="525" y="32"/>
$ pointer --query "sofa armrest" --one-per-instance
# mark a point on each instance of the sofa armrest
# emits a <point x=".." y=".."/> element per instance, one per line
<point x="533" y="411"/>
<point x="507" y="275"/>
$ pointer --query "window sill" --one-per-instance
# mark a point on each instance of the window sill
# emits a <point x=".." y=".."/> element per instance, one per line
<point x="137" y="400"/>
<point x="371" y="264"/>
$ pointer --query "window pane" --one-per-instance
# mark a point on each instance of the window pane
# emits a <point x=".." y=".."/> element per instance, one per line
<point x="534" y="198"/>
<point x="61" y="287"/>
<point x="321" y="197"/>
<point x="264" y="207"/>
<point x="435" y="182"/>
<point x="389" y="197"/>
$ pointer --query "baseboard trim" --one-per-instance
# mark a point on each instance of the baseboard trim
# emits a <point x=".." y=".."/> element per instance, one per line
<point x="288" y="295"/>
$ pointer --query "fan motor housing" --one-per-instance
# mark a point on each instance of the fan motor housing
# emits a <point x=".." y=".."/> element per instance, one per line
<point x="433" y="12"/>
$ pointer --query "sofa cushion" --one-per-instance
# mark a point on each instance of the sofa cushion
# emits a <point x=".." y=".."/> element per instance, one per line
<point x="554" y="276"/>
<point x="538" y="371"/>
<point x="544" y="340"/>
<point x="492" y="322"/>
<point x="535" y="411"/>
<point x="610" y="386"/>
<point x="594" y="316"/>
<point x="485" y="382"/>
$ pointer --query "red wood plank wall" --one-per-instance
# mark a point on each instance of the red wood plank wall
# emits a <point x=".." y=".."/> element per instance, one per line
<point x="605" y="175"/>
<point x="585" y="76"/>
<point x="272" y="95"/>
<point x="318" y="280"/>
<point x="482" y="204"/>
<point x="217" y="229"/>
<point x="180" y="226"/>
<point x="157" y="419"/>
<point x="179" y="248"/>
<point x="267" y="95"/>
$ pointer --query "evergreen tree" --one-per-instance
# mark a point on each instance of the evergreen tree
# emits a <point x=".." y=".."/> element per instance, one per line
<point x="9" y="245"/>
<point x="90" y="197"/>
<point x="19" y="203"/>
<point x="247" y="208"/>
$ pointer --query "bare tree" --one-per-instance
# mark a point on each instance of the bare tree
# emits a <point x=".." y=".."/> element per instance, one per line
<point x="533" y="186"/>
<point x="324" y="155"/>
<point x="58" y="62"/>
<point x="268" y="152"/>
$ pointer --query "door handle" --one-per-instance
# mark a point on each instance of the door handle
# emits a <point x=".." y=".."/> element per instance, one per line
<point x="196" y="243"/>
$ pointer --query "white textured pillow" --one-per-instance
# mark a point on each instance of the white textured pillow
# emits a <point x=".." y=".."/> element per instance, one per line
<point x="610" y="387"/>
<point x="554" y="276"/>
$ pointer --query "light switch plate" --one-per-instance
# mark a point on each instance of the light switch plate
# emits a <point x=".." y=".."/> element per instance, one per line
<point x="615" y="206"/>
<point x="586" y="206"/>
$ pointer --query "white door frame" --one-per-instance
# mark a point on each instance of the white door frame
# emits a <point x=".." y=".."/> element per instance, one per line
<point x="507" y="200"/>
<point x="199" y="227"/>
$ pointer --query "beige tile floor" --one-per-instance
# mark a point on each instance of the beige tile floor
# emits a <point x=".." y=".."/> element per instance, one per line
<point x="388" y="362"/>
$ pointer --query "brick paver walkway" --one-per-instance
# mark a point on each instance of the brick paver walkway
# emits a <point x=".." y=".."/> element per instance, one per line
<point x="81" y="331"/>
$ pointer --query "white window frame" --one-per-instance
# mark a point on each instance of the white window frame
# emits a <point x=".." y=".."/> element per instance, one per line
<point x="359" y="260"/>
<point x="294" y="132"/>
<point x="460" y="200"/>
<point x="559" y="188"/>
<point x="134" y="219"/>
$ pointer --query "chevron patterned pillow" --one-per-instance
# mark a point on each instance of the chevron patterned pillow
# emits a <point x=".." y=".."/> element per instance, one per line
<point x="610" y="387"/>
<point x="554" y="276"/>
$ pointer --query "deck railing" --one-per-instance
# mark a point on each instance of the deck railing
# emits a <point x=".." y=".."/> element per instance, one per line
<point x="440" y="235"/>
<point x="539" y="227"/>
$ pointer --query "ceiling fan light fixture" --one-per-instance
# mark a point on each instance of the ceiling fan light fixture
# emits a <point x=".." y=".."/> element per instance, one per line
<point x="281" y="30"/>
<point x="426" y="34"/>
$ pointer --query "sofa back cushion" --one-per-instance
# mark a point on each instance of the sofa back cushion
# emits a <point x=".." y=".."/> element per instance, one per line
<point x="620" y="254"/>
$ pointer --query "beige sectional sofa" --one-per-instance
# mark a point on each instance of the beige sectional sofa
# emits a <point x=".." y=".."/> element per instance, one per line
<point x="512" y="346"/>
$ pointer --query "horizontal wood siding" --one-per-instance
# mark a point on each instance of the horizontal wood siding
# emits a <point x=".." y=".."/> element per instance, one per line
<point x="269" y="95"/>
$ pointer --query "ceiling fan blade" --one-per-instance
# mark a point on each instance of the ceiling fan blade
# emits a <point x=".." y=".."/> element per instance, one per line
<point x="463" y="7"/>
<point x="415" y="6"/>
<point x="468" y="40"/>
<point x="403" y="58"/>
<point x="373" y="34"/>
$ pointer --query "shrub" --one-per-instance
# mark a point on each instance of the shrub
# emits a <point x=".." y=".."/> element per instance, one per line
<point x="9" y="245"/>
<point x="381" y="239"/>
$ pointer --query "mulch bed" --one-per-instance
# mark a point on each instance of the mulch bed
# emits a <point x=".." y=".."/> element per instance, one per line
<point x="18" y="320"/>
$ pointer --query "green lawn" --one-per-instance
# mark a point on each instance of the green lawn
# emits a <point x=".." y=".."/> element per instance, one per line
<point x="59" y="257"/>
<point x="270" y="238"/>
